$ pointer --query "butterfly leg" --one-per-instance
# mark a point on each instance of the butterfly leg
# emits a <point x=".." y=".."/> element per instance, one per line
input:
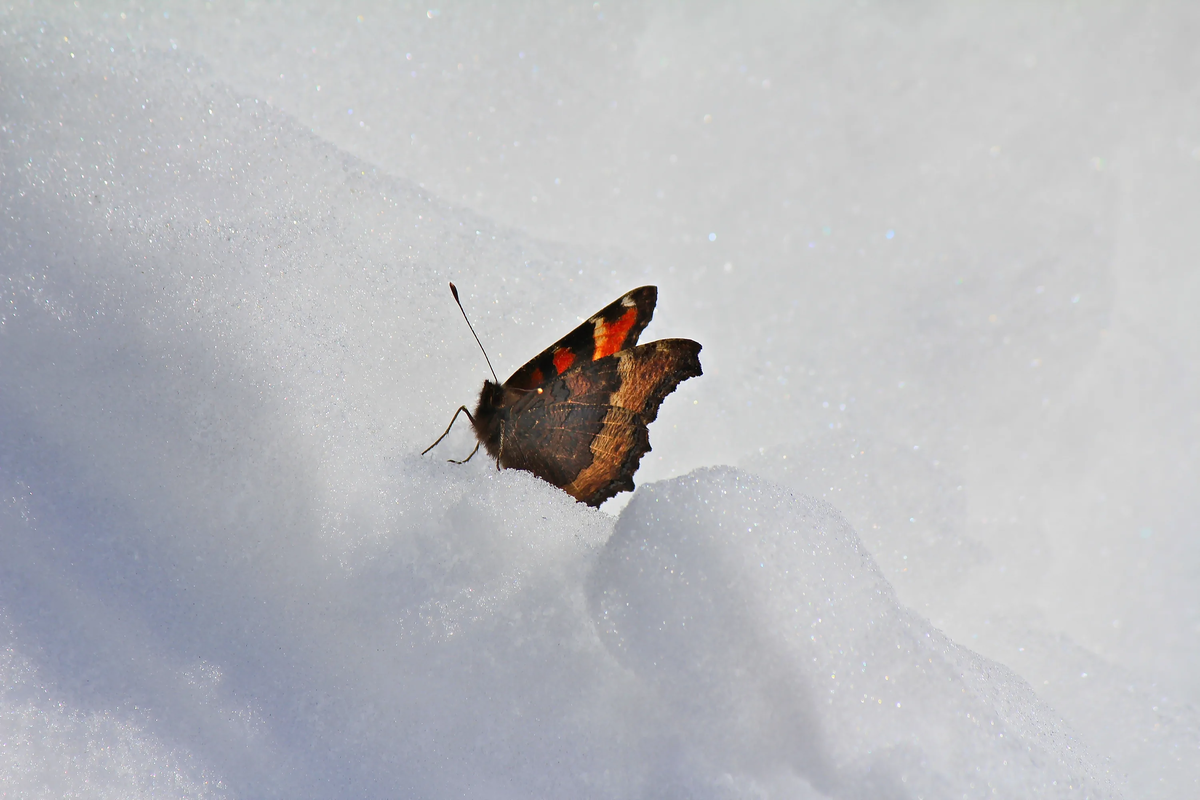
<point x="468" y="458"/>
<point x="461" y="410"/>
<point x="501" y="453"/>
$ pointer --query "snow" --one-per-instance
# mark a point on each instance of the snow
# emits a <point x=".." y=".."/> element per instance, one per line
<point x="926" y="527"/>
<point x="765" y="627"/>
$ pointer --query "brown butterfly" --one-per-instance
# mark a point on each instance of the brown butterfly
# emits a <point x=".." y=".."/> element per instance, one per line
<point x="577" y="414"/>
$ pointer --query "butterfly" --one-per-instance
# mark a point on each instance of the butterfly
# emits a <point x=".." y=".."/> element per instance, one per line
<point x="577" y="415"/>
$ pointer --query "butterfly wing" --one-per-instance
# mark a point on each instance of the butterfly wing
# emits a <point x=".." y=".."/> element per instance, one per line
<point x="614" y="328"/>
<point x="586" y="431"/>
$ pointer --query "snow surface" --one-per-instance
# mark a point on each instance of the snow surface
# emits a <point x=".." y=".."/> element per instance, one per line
<point x="942" y="260"/>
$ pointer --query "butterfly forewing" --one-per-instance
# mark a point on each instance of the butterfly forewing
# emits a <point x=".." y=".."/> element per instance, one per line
<point x="614" y="328"/>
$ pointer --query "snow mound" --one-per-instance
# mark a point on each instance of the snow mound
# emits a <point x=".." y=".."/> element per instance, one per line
<point x="778" y="647"/>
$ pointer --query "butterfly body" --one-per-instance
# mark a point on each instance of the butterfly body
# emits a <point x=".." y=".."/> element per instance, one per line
<point x="577" y="414"/>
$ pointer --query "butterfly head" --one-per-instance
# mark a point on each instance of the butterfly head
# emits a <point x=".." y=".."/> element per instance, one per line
<point x="490" y="414"/>
<point x="490" y="396"/>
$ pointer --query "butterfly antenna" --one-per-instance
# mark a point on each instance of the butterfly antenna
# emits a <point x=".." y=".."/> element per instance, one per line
<point x="454" y="291"/>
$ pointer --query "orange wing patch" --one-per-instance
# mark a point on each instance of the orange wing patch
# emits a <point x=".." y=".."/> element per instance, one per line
<point x="610" y="336"/>
<point x="563" y="359"/>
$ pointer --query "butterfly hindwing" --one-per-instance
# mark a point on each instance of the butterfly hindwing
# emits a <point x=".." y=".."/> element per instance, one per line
<point x="652" y="371"/>
<point x="550" y="433"/>
<point x="614" y="328"/>
<point x="586" y="431"/>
